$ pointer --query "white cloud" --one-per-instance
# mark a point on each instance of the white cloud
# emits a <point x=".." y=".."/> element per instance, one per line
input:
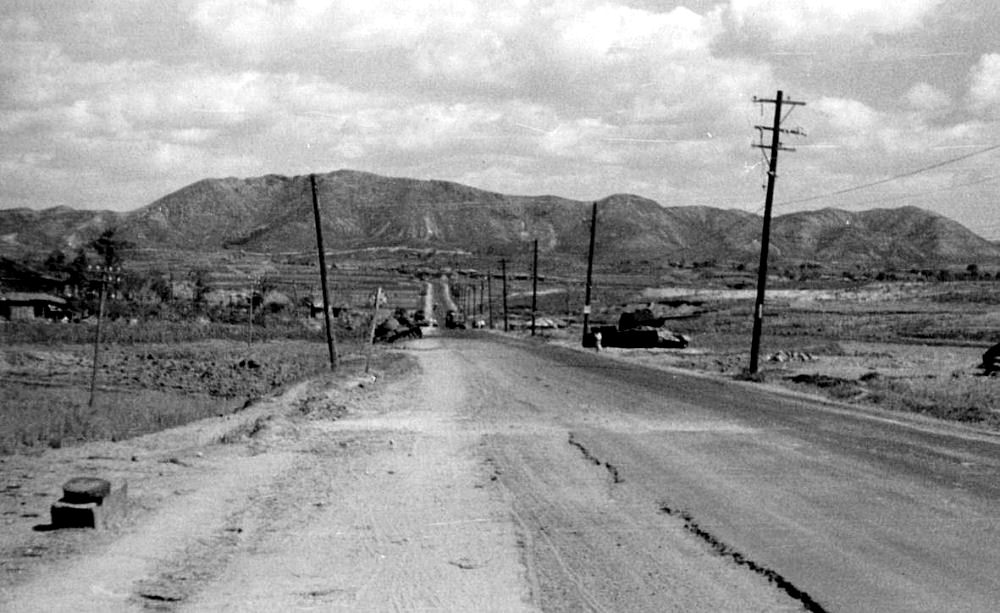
<point x="984" y="91"/>
<point x="802" y="20"/>
<point x="541" y="48"/>
<point x="579" y="98"/>
<point x="846" y="117"/>
<point x="595" y="82"/>
<point x="926" y="97"/>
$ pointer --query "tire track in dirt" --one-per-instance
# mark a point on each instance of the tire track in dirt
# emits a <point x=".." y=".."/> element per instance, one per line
<point x="190" y="488"/>
<point x="593" y="540"/>
<point x="406" y="520"/>
<point x="616" y="476"/>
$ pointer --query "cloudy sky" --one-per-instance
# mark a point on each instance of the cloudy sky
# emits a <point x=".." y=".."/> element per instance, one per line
<point x="112" y="104"/>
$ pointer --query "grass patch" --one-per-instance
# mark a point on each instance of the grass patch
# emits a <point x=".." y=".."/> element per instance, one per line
<point x="141" y="388"/>
<point x="36" y="416"/>
<point x="967" y="399"/>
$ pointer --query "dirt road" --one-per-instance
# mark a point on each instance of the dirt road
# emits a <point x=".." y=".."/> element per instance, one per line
<point x="504" y="475"/>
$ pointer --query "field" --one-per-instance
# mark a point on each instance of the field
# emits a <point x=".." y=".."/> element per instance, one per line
<point x="912" y="347"/>
<point x="902" y="346"/>
<point x="143" y="385"/>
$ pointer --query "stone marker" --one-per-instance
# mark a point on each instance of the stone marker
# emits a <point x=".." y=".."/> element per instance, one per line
<point x="89" y="502"/>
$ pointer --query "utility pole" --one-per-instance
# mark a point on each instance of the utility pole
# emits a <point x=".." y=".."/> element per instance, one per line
<point x="772" y="173"/>
<point x="254" y="281"/>
<point x="331" y="347"/>
<point x="503" y="268"/>
<point x="489" y="290"/>
<point x="109" y="274"/>
<point x="371" y="329"/>
<point x="482" y="294"/>
<point x="534" y="288"/>
<point x="590" y="274"/>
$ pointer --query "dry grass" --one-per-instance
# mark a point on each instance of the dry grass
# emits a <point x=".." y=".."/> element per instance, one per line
<point x="122" y="332"/>
<point x="36" y="417"/>
<point x="908" y="347"/>
<point x="960" y="398"/>
<point x="142" y="387"/>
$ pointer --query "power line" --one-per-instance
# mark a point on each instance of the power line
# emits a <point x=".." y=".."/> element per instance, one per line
<point x="884" y="199"/>
<point x="892" y="178"/>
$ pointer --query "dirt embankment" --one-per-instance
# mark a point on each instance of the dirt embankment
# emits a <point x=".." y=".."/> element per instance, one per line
<point x="361" y="492"/>
<point x="186" y="488"/>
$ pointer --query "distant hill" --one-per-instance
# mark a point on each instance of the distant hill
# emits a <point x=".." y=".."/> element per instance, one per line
<point x="274" y="213"/>
<point x="56" y="228"/>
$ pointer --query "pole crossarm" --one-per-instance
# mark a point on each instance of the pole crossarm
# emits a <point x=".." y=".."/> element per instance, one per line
<point x="795" y="131"/>
<point x="779" y="148"/>
<point x="784" y="101"/>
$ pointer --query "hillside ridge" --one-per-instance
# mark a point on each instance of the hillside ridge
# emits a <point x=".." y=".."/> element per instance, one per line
<point x="361" y="209"/>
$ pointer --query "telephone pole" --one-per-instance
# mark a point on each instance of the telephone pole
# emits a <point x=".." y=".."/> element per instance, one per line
<point x="503" y="268"/>
<point x="590" y="273"/>
<point x="534" y="288"/>
<point x="109" y="274"/>
<point x="331" y="347"/>
<point x="482" y="294"/>
<point x="489" y="291"/>
<point x="371" y="328"/>
<point x="772" y="174"/>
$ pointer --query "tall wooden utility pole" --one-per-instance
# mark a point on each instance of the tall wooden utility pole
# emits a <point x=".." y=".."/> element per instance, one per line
<point x="503" y="268"/>
<point x="772" y="173"/>
<point x="489" y="291"/>
<point x="482" y="295"/>
<point x="109" y="274"/>
<point x="590" y="274"/>
<point x="534" y="288"/>
<point x="330" y="344"/>
<point x="371" y="328"/>
<point x="254" y="281"/>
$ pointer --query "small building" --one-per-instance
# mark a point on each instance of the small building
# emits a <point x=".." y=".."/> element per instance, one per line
<point x="20" y="306"/>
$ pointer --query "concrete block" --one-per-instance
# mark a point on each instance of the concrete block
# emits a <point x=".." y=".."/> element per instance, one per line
<point x="89" y="502"/>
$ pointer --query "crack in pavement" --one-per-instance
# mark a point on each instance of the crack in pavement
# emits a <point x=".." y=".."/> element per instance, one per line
<point x="726" y="551"/>
<point x="613" y="470"/>
<point x="719" y="547"/>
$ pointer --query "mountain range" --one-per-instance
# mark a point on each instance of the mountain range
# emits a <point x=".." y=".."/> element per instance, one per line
<point x="274" y="214"/>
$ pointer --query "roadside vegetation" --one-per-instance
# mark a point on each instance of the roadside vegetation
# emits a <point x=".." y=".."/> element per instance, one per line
<point x="185" y="338"/>
<point x="905" y="345"/>
<point x="141" y="386"/>
<point x="173" y="347"/>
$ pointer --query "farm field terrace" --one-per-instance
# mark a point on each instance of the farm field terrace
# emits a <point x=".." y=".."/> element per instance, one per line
<point x="142" y="387"/>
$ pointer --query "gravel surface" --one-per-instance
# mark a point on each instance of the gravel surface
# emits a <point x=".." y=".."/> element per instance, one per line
<point x="504" y="475"/>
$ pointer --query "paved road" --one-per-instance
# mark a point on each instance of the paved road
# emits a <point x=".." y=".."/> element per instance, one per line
<point x="840" y="510"/>
<point x="511" y="475"/>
